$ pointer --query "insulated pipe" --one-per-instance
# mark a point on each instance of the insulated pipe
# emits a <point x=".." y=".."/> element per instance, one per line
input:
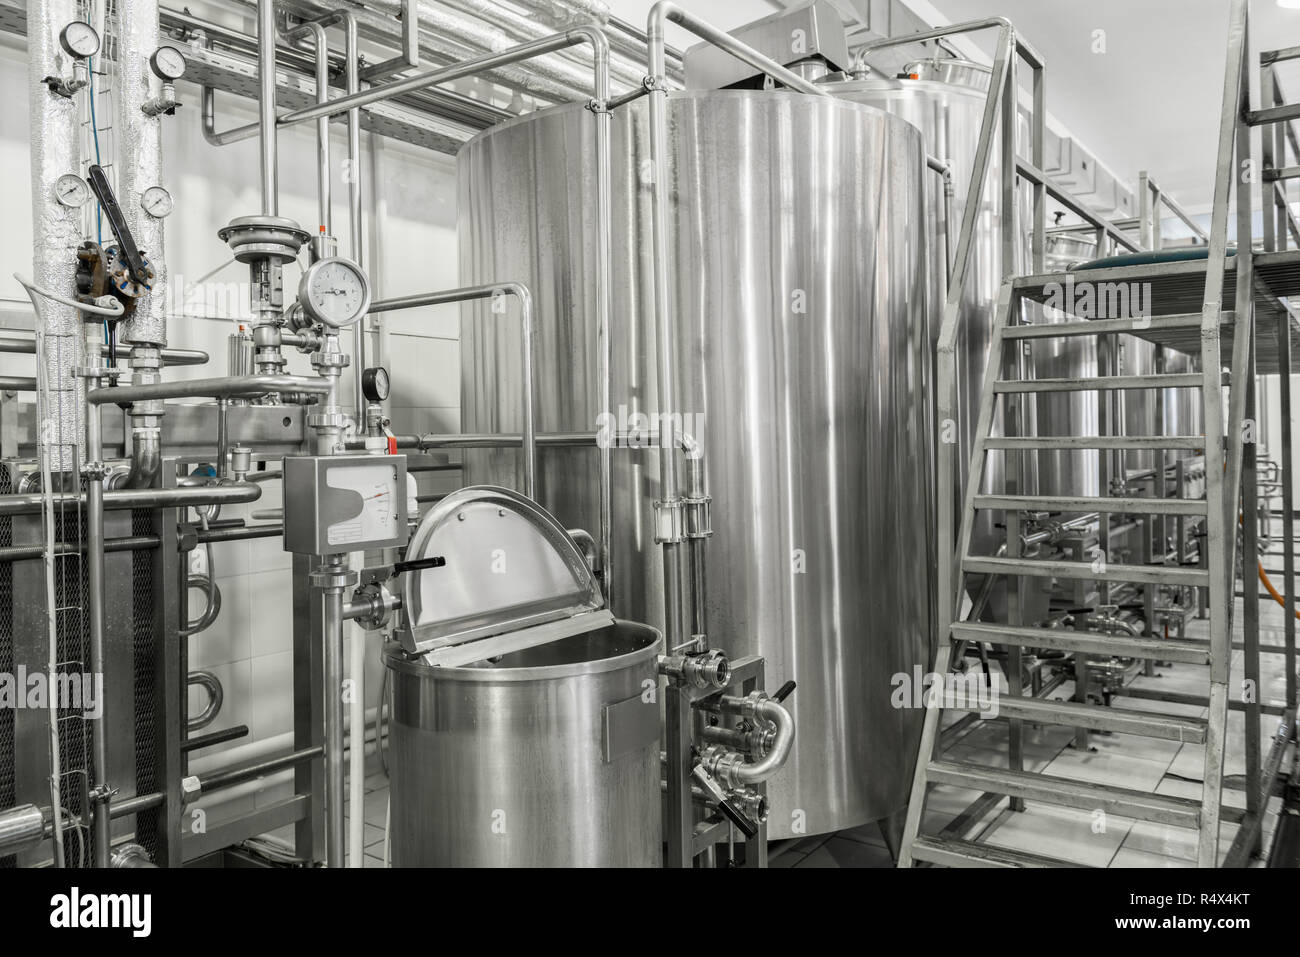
<point x="491" y="291"/>
<point x="55" y="137"/>
<point x="139" y="162"/>
<point x="266" y="107"/>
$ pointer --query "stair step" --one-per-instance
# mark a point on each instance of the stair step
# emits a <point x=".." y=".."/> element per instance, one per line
<point x="1075" y="714"/>
<point x="1096" y="442"/>
<point x="1088" y="642"/>
<point x="1095" y="327"/>
<point x="1148" y="574"/>
<point x="949" y="852"/>
<point x="1064" y="792"/>
<point x="1088" y="503"/>
<point x="1170" y="380"/>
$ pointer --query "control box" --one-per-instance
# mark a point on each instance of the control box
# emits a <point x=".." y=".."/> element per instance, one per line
<point x="344" y="503"/>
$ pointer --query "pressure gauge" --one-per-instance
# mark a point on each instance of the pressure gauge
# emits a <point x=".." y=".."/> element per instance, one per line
<point x="334" y="291"/>
<point x="157" y="202"/>
<point x="79" y="39"/>
<point x="71" y="190"/>
<point x="168" y="63"/>
<point x="375" y="384"/>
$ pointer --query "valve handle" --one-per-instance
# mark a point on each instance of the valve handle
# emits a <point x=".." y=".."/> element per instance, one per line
<point x="416" y="564"/>
<point x="108" y="202"/>
<point x="784" y="691"/>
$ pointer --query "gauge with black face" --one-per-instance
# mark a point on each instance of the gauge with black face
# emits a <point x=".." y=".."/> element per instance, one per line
<point x="375" y="384"/>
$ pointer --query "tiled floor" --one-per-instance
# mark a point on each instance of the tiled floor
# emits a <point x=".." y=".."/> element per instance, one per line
<point x="1090" y="838"/>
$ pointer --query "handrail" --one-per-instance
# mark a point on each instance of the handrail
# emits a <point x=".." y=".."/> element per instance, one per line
<point x="1150" y="199"/>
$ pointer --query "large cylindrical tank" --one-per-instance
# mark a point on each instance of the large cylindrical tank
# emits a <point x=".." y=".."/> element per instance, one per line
<point x="945" y="99"/>
<point x="507" y="764"/>
<point x="797" y="248"/>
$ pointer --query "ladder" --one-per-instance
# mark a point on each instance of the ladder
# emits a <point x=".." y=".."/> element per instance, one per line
<point x="1186" y="301"/>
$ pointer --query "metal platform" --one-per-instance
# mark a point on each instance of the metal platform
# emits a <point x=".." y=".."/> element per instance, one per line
<point x="1177" y="288"/>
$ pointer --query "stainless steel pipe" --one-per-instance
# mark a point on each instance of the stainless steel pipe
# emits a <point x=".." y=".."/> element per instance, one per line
<point x="101" y="794"/>
<point x="266" y="107"/>
<point x="171" y="357"/>
<point x="225" y="386"/>
<point x="21" y="828"/>
<point x="191" y="497"/>
<point x="468" y="294"/>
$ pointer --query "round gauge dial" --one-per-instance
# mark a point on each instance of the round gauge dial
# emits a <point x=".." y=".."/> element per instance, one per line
<point x="375" y="384"/>
<point x="334" y="291"/>
<point x="79" y="39"/>
<point x="168" y="63"/>
<point x="157" y="202"/>
<point x="71" y="190"/>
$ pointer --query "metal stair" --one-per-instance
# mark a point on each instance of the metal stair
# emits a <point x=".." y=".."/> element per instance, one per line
<point x="1176" y="289"/>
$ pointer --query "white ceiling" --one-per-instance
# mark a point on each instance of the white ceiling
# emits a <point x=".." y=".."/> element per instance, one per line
<point x="1152" y="100"/>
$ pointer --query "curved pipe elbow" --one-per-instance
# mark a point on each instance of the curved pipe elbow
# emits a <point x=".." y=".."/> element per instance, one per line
<point x="775" y="759"/>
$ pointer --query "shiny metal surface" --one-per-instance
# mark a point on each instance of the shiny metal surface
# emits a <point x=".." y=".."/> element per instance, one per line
<point x="803" y="367"/>
<point x="948" y="110"/>
<point x="505" y="765"/>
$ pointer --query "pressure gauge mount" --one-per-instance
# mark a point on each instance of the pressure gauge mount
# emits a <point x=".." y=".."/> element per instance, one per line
<point x="375" y="384"/>
<point x="79" y="40"/>
<point x="334" y="292"/>
<point x="168" y="63"/>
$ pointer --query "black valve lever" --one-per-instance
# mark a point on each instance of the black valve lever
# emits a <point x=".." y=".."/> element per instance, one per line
<point x="734" y="814"/>
<point x="784" y="691"/>
<point x="415" y="564"/>
<point x="737" y="817"/>
<point x="126" y="242"/>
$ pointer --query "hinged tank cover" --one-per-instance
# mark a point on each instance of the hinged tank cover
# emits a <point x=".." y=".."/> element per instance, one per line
<point x="513" y="578"/>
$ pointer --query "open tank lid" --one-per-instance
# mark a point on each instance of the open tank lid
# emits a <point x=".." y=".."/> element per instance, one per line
<point x="512" y="578"/>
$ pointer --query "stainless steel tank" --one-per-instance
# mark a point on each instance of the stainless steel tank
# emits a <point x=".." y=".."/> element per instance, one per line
<point x="525" y="728"/>
<point x="945" y="100"/>
<point x="798" y="242"/>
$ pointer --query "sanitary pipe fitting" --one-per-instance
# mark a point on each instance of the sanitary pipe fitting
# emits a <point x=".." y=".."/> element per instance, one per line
<point x="241" y="462"/>
<point x="711" y="669"/>
<point x="131" y="855"/>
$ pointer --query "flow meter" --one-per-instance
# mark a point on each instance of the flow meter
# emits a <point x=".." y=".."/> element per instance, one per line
<point x="344" y="503"/>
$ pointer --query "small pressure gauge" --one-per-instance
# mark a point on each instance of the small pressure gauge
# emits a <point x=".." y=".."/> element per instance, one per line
<point x="375" y="384"/>
<point x="334" y="291"/>
<point x="157" y="202"/>
<point x="168" y="63"/>
<point x="79" y="39"/>
<point x="71" y="190"/>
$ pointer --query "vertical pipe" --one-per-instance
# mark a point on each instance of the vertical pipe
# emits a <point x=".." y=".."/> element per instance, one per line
<point x="354" y="205"/>
<point x="56" y="229"/>
<point x="604" y="305"/>
<point x="1250" y="598"/>
<point x="669" y="500"/>
<point x="332" y="624"/>
<point x="138" y="164"/>
<point x="357" y="738"/>
<point x="95" y="581"/>
<point x="324" y="209"/>
<point x="266" y="107"/>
